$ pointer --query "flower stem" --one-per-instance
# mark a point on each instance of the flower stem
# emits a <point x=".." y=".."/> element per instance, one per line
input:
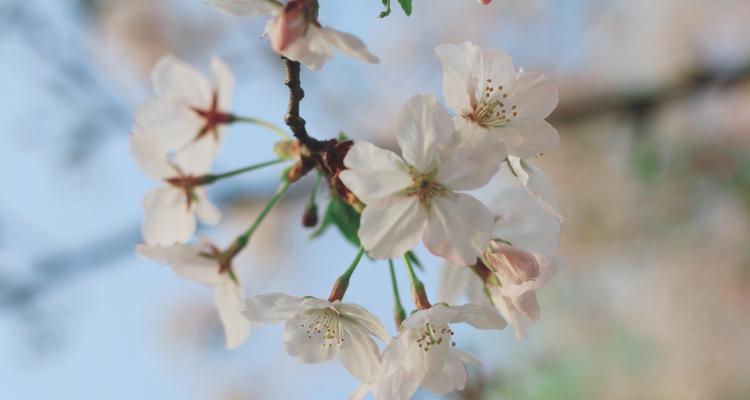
<point x="268" y="125"/>
<point x="241" y="241"/>
<point x="342" y="283"/>
<point x="417" y="287"/>
<point x="211" y="178"/>
<point x="398" y="310"/>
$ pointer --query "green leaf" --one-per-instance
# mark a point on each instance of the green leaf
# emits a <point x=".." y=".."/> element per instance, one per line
<point x="406" y="6"/>
<point x="387" y="11"/>
<point x="342" y="216"/>
<point x="414" y="260"/>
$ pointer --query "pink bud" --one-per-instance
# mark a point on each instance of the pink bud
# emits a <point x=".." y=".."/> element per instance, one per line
<point x="485" y="2"/>
<point x="511" y="263"/>
<point x="291" y="25"/>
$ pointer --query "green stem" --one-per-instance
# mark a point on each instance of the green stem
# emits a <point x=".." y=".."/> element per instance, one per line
<point x="243" y="239"/>
<point x="268" y="125"/>
<point x="314" y="191"/>
<point x="342" y="283"/>
<point x="211" y="178"/>
<point x="398" y="310"/>
<point x="417" y="287"/>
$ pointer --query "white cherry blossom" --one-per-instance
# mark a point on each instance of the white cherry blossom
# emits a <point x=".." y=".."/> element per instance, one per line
<point x="514" y="266"/>
<point x="202" y="263"/>
<point x="494" y="100"/>
<point x="295" y="33"/>
<point x="418" y="196"/>
<point x="170" y="210"/>
<point x="423" y="353"/>
<point x="537" y="184"/>
<point x="188" y="107"/>
<point x="317" y="330"/>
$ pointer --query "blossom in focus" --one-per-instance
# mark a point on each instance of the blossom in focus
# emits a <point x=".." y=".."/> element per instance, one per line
<point x="170" y="210"/>
<point x="418" y="196"/>
<point x="512" y="267"/>
<point x="203" y="263"/>
<point x="188" y="107"/>
<point x="424" y="353"/>
<point x="494" y="100"/>
<point x="537" y="184"/>
<point x="295" y="32"/>
<point x="317" y="330"/>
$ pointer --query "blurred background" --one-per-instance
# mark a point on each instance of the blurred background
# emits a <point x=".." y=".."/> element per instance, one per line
<point x="653" y="174"/>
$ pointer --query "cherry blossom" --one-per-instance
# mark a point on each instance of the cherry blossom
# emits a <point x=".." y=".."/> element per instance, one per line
<point x="170" y="210"/>
<point x="188" y="106"/>
<point x="514" y="266"/>
<point x="295" y="33"/>
<point x="317" y="330"/>
<point x="537" y="184"/>
<point x="203" y="263"/>
<point x="423" y="353"/>
<point x="418" y="196"/>
<point x="494" y="100"/>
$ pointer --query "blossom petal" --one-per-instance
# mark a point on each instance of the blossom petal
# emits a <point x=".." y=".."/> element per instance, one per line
<point x="548" y="266"/>
<point x="150" y="156"/>
<point x="391" y="230"/>
<point x="538" y="136"/>
<point x="459" y="228"/>
<point x="364" y="319"/>
<point x="479" y="316"/>
<point x="173" y="123"/>
<point x="451" y="377"/>
<point x="308" y="348"/>
<point x="374" y="173"/>
<point x="348" y="44"/>
<point x="228" y="301"/>
<point x="471" y="163"/>
<point x="539" y="186"/>
<point x="206" y="211"/>
<point x="186" y="260"/>
<point x="246" y="7"/>
<point x="437" y="315"/>
<point x="167" y="219"/>
<point x="458" y="85"/>
<point x="196" y="158"/>
<point x="360" y="355"/>
<point x="224" y="82"/>
<point x="313" y="49"/>
<point x="535" y="95"/>
<point x="423" y="127"/>
<point x="272" y="307"/>
<point x="179" y="81"/>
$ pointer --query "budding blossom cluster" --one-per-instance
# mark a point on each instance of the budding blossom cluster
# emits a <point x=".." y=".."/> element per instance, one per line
<point x="498" y="251"/>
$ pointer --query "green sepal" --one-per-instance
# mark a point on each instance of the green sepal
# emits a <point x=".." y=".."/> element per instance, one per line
<point x="342" y="216"/>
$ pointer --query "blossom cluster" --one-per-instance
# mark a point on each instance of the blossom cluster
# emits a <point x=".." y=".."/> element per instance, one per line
<point x="497" y="250"/>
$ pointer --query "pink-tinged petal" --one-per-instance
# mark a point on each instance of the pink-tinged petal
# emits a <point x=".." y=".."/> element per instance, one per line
<point x="423" y="127"/>
<point x="548" y="266"/>
<point x="528" y="305"/>
<point x="152" y="159"/>
<point x="224" y="81"/>
<point x="538" y="136"/>
<point x="307" y="348"/>
<point x="390" y="230"/>
<point x="459" y="228"/>
<point x="348" y="44"/>
<point x="458" y="82"/>
<point x="188" y="261"/>
<point x="176" y="80"/>
<point x="313" y="49"/>
<point x="509" y="312"/>
<point x="167" y="219"/>
<point x="479" y="316"/>
<point x="244" y="8"/>
<point x="196" y="158"/>
<point x="206" y="211"/>
<point x="173" y="123"/>
<point x="374" y="173"/>
<point x="360" y="355"/>
<point x="535" y="95"/>
<point x="471" y="163"/>
<point x="273" y="307"/>
<point x="228" y="300"/>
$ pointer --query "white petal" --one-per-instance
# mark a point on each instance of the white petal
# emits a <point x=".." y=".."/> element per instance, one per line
<point x="471" y="163"/>
<point x="496" y="66"/>
<point x="454" y="282"/>
<point x="187" y="261"/>
<point x="173" y="123"/>
<point x="360" y="355"/>
<point x="459" y="228"/>
<point x="547" y="269"/>
<point x="391" y="230"/>
<point x="224" y="82"/>
<point x="374" y="173"/>
<point x="506" y="308"/>
<point x="349" y="44"/>
<point x="246" y="7"/>
<point x="150" y="156"/>
<point x="313" y="49"/>
<point x="423" y="127"/>
<point x="167" y="219"/>
<point x="272" y="307"/>
<point x="451" y="377"/>
<point x="538" y="136"/>
<point x="535" y="95"/>
<point x="437" y="315"/>
<point x="361" y="392"/>
<point x="367" y="320"/>
<point x="196" y="158"/>
<point x="228" y="301"/>
<point x="177" y="80"/>
<point x="307" y="348"/>
<point x="207" y="212"/>
<point x="479" y="316"/>
<point x="527" y="305"/>
<point x="458" y="85"/>
<point x="542" y="188"/>
<point x="401" y="385"/>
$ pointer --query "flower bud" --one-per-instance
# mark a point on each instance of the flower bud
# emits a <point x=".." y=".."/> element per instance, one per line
<point x="287" y="149"/>
<point x="485" y="2"/>
<point x="291" y="25"/>
<point x="510" y="263"/>
<point x="310" y="217"/>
